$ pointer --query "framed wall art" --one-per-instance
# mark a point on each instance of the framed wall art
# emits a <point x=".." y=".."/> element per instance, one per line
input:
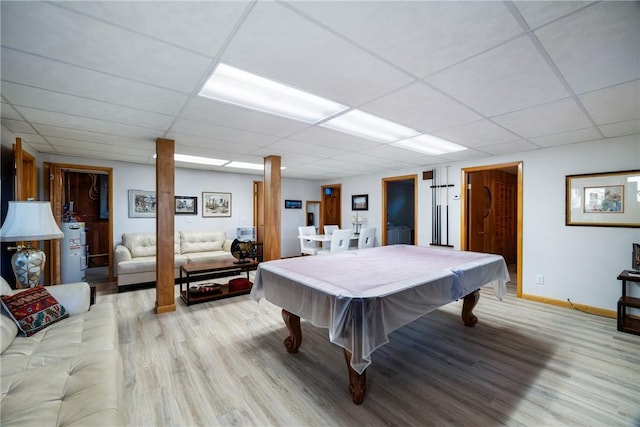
<point x="216" y="204"/>
<point x="186" y="205"/>
<point x="293" y="204"/>
<point x="608" y="199"/>
<point x="360" y="202"/>
<point x="142" y="204"/>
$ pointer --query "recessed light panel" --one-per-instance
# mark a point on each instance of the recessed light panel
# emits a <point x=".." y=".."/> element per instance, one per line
<point x="368" y="126"/>
<point x="428" y="144"/>
<point x="238" y="87"/>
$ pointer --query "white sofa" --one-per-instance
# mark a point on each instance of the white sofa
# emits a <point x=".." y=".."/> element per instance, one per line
<point x="135" y="257"/>
<point x="69" y="373"/>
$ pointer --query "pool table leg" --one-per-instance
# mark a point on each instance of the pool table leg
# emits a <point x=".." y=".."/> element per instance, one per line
<point x="468" y="304"/>
<point x="357" y="382"/>
<point x="293" y="341"/>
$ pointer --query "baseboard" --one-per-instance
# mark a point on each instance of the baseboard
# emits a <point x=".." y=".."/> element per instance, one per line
<point x="572" y="305"/>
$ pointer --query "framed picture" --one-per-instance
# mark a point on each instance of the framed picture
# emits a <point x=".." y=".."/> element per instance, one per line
<point x="360" y="202"/>
<point x="609" y="199"/>
<point x="142" y="204"/>
<point x="216" y="204"/>
<point x="293" y="204"/>
<point x="186" y="205"/>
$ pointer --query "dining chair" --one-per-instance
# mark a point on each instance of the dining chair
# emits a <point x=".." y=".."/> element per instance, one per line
<point x="367" y="238"/>
<point x="340" y="240"/>
<point x="308" y="247"/>
<point x="328" y="231"/>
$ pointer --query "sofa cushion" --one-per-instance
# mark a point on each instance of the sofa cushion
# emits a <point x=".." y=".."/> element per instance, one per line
<point x="33" y="309"/>
<point x="209" y="256"/>
<point x="90" y="332"/>
<point x="201" y="241"/>
<point x="79" y="391"/>
<point x="144" y="244"/>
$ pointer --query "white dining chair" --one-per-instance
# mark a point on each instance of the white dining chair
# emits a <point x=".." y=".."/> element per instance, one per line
<point x="328" y="231"/>
<point x="340" y="240"/>
<point x="307" y="247"/>
<point x="367" y="238"/>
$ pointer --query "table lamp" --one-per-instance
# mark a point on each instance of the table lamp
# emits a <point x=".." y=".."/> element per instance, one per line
<point x="25" y="222"/>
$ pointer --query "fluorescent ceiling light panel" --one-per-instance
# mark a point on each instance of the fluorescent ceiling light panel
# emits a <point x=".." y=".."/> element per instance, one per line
<point x="232" y="85"/>
<point x="368" y="126"/>
<point x="199" y="160"/>
<point x="428" y="144"/>
<point x="242" y="165"/>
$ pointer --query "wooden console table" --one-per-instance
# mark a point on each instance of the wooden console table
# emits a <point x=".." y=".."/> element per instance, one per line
<point x="627" y="323"/>
<point x="213" y="270"/>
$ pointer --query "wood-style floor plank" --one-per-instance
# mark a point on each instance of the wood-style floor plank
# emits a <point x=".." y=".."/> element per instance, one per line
<point x="525" y="363"/>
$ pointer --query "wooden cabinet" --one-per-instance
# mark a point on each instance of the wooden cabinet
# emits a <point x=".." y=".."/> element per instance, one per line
<point x="627" y="323"/>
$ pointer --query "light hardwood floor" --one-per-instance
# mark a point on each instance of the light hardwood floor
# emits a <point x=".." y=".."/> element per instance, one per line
<point x="524" y="364"/>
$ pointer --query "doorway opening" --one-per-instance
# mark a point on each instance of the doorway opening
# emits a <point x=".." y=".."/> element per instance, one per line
<point x="81" y="194"/>
<point x="331" y="206"/>
<point x="492" y="214"/>
<point x="312" y="209"/>
<point x="399" y="210"/>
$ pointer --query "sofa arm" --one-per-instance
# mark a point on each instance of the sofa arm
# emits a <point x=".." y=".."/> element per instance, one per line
<point x="226" y="246"/>
<point x="122" y="253"/>
<point x="74" y="297"/>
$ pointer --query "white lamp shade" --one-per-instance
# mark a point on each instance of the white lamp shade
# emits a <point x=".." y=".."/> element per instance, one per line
<point x="30" y="220"/>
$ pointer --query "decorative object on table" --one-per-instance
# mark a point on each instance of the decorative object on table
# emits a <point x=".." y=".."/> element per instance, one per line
<point x="245" y="234"/>
<point x="242" y="251"/>
<point x="356" y="221"/>
<point x="293" y="204"/>
<point x="635" y="254"/>
<point x="360" y="202"/>
<point x="609" y="199"/>
<point x="216" y="204"/>
<point x="142" y="204"/>
<point x="186" y="205"/>
<point x="206" y="289"/>
<point x="239" y="284"/>
<point x="26" y="222"/>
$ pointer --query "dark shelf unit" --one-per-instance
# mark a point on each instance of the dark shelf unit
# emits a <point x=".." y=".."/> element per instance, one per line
<point x="628" y="323"/>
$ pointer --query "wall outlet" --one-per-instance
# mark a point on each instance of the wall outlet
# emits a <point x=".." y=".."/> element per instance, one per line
<point x="539" y="279"/>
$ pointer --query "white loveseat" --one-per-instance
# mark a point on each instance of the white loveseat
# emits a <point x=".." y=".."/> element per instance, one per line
<point x="69" y="373"/>
<point x="136" y="255"/>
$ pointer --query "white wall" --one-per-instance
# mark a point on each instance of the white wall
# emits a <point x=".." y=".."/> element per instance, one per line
<point x="579" y="263"/>
<point x="193" y="182"/>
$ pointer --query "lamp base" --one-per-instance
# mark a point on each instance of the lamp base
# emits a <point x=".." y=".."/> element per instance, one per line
<point x="27" y="265"/>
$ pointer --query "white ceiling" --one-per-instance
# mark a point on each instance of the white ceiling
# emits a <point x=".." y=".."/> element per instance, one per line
<point x="104" y="80"/>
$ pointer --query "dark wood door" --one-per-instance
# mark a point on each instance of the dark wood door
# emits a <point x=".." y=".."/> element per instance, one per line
<point x="476" y="214"/>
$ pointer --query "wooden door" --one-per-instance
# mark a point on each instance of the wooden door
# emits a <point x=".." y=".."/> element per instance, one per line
<point x="331" y="206"/>
<point x="26" y="187"/>
<point x="476" y="214"/>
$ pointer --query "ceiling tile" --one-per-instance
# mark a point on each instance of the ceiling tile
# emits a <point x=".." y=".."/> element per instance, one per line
<point x="18" y="126"/>
<point x="390" y="152"/>
<point x="210" y="111"/>
<point x="597" y="46"/>
<point x="210" y="145"/>
<point x="7" y="111"/>
<point x="298" y="147"/>
<point x="304" y="55"/>
<point x="63" y="145"/>
<point x="196" y="25"/>
<point x="580" y="135"/>
<point x="222" y="133"/>
<point x="28" y="69"/>
<point x="421" y="37"/>
<point x="422" y="108"/>
<point x="27" y="96"/>
<point x="508" y="148"/>
<point x="510" y="77"/>
<point x="477" y="134"/>
<point x="77" y="39"/>
<point x="613" y="104"/>
<point x="555" y="117"/>
<point x="537" y="13"/>
<point x="631" y="127"/>
<point x="84" y="135"/>
<point x="330" y="138"/>
<point x="83" y="123"/>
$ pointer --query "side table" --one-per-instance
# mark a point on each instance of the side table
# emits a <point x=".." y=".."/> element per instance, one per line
<point x="628" y="323"/>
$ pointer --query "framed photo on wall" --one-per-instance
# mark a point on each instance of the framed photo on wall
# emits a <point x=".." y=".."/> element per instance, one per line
<point x="608" y="199"/>
<point x="293" y="204"/>
<point x="216" y="204"/>
<point x="142" y="204"/>
<point x="186" y="205"/>
<point x="360" y="202"/>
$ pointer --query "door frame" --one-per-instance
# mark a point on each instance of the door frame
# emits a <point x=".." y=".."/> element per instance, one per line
<point x="464" y="218"/>
<point x="323" y="208"/>
<point x="384" y="216"/>
<point x="53" y="187"/>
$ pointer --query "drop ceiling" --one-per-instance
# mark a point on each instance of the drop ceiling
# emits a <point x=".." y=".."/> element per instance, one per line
<point x="104" y="80"/>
